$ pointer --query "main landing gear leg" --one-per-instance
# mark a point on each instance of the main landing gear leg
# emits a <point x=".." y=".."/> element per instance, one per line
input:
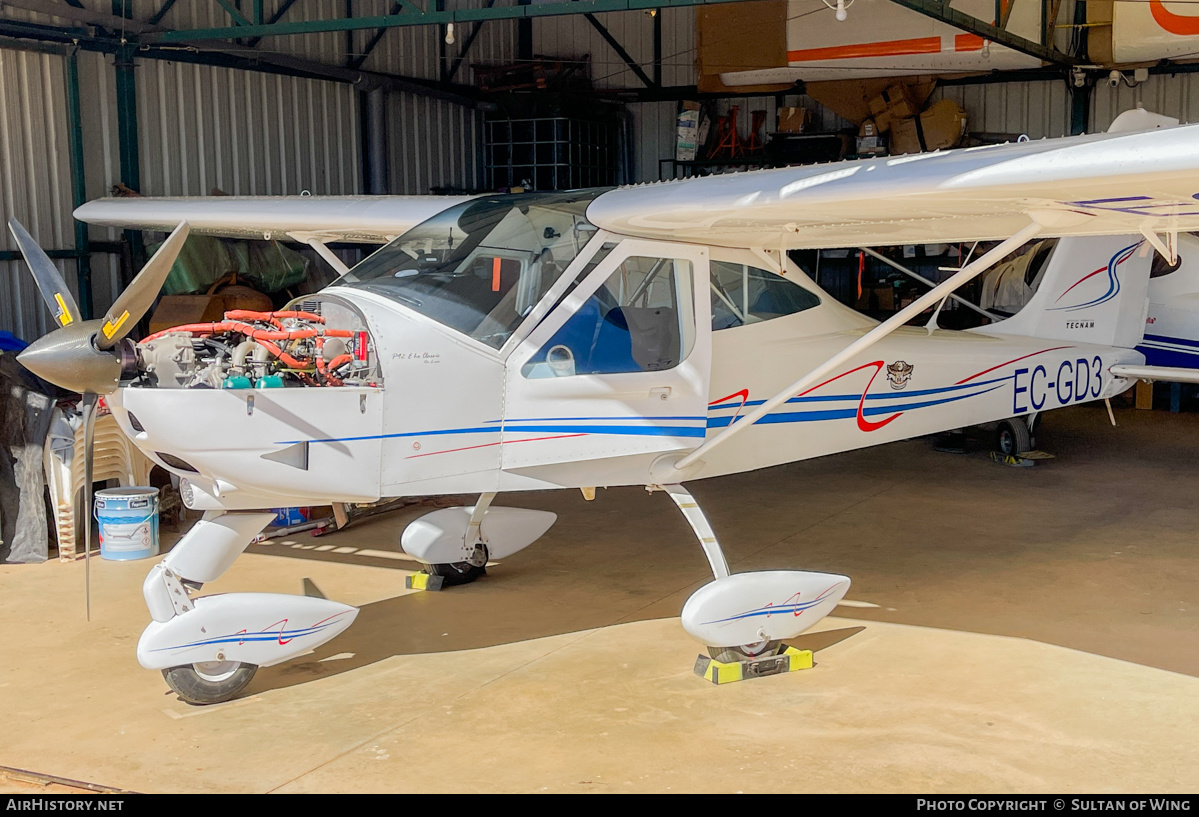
<point x="455" y="543"/>
<point x="475" y="549"/>
<point x="744" y="618"/>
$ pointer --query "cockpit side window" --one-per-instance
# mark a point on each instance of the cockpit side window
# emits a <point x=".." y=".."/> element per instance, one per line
<point x="743" y="295"/>
<point x="641" y="319"/>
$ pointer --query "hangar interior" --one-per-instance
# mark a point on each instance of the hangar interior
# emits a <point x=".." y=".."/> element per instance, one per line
<point x="1009" y="629"/>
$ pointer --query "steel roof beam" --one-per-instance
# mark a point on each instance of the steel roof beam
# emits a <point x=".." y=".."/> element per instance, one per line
<point x="232" y="11"/>
<point x="78" y="15"/>
<point x="162" y="12"/>
<point x="29" y="36"/>
<point x="619" y="49"/>
<point x="276" y="17"/>
<point x="939" y="10"/>
<point x="357" y="61"/>
<point x="423" y="18"/>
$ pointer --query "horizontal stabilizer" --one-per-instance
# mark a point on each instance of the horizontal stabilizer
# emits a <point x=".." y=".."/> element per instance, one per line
<point x="1167" y="374"/>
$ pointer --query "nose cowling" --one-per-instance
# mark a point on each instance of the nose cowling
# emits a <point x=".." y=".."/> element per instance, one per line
<point x="68" y="358"/>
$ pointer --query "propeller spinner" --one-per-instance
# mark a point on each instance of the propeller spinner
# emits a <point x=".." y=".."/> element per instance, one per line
<point x="88" y="356"/>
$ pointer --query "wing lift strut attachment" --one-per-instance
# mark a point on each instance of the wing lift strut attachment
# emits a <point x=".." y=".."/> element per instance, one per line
<point x="745" y="618"/>
<point x="317" y="243"/>
<point x="1168" y="248"/>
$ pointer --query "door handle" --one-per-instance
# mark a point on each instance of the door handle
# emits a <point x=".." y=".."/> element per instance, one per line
<point x="662" y="392"/>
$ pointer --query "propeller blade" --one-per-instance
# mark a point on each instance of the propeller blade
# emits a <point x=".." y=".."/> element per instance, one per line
<point x="128" y="309"/>
<point x="49" y="280"/>
<point x="89" y="428"/>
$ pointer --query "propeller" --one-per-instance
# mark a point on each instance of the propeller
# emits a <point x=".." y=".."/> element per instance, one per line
<point x="88" y="356"/>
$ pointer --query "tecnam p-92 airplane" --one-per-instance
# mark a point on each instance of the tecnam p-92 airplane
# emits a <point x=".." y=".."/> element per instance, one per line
<point x="647" y="335"/>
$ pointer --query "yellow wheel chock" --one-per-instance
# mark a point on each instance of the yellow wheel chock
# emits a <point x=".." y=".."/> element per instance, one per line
<point x="789" y="660"/>
<point x="423" y="581"/>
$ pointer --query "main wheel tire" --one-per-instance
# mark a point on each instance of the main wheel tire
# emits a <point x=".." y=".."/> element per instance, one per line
<point x="210" y="682"/>
<point x="1012" y="437"/>
<point x="457" y="572"/>
<point x="746" y="652"/>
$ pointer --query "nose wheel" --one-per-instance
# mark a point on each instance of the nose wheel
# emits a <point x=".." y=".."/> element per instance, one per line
<point x="209" y="682"/>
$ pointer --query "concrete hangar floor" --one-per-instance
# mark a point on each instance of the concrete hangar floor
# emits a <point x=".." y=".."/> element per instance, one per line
<point x="1009" y="630"/>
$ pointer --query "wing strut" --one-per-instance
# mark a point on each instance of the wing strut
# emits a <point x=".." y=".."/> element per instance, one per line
<point x="323" y="251"/>
<point x="866" y="341"/>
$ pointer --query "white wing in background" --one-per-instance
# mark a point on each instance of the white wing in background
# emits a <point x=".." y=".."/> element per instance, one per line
<point x="368" y="219"/>
<point x="1091" y="185"/>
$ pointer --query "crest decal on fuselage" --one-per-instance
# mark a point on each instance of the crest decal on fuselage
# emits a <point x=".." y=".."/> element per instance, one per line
<point x="898" y="374"/>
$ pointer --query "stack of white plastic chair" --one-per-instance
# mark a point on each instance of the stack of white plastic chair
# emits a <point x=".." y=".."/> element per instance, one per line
<point x="116" y="458"/>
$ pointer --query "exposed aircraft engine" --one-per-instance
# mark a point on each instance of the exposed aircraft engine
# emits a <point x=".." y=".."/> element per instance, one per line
<point x="324" y="344"/>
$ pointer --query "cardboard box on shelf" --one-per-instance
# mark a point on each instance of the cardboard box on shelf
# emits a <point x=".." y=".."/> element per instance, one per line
<point x="902" y="109"/>
<point x="944" y="125"/>
<point x="882" y="101"/>
<point x="793" y="120"/>
<point x="868" y="128"/>
<point x="941" y="126"/>
<point x="893" y="96"/>
<point x="905" y="138"/>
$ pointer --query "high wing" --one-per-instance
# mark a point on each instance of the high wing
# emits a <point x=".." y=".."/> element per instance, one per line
<point x="1103" y="184"/>
<point x="1091" y="185"/>
<point x="366" y="219"/>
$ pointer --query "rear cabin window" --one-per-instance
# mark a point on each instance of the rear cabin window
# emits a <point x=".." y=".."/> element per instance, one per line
<point x="742" y="295"/>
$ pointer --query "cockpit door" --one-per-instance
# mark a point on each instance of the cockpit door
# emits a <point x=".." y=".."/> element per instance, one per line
<point x="617" y="373"/>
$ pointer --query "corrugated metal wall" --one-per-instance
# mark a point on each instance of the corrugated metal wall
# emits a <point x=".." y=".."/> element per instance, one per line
<point x="35" y="180"/>
<point x="246" y="133"/>
<point x="1176" y="96"/>
<point x="574" y="37"/>
<point x="1032" y="109"/>
<point x="433" y="146"/>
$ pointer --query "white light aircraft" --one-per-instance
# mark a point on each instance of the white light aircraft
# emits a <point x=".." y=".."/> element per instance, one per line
<point x="648" y="335"/>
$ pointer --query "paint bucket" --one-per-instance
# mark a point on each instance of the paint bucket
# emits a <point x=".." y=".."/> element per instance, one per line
<point x="128" y="520"/>
<point x="285" y="517"/>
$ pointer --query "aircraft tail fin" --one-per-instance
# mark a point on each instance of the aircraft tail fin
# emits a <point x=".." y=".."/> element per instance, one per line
<point x="1087" y="290"/>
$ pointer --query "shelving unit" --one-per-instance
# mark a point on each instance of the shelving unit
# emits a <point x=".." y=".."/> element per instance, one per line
<point x="553" y="153"/>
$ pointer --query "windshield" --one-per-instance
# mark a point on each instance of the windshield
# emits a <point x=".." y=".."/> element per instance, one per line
<point x="482" y="266"/>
